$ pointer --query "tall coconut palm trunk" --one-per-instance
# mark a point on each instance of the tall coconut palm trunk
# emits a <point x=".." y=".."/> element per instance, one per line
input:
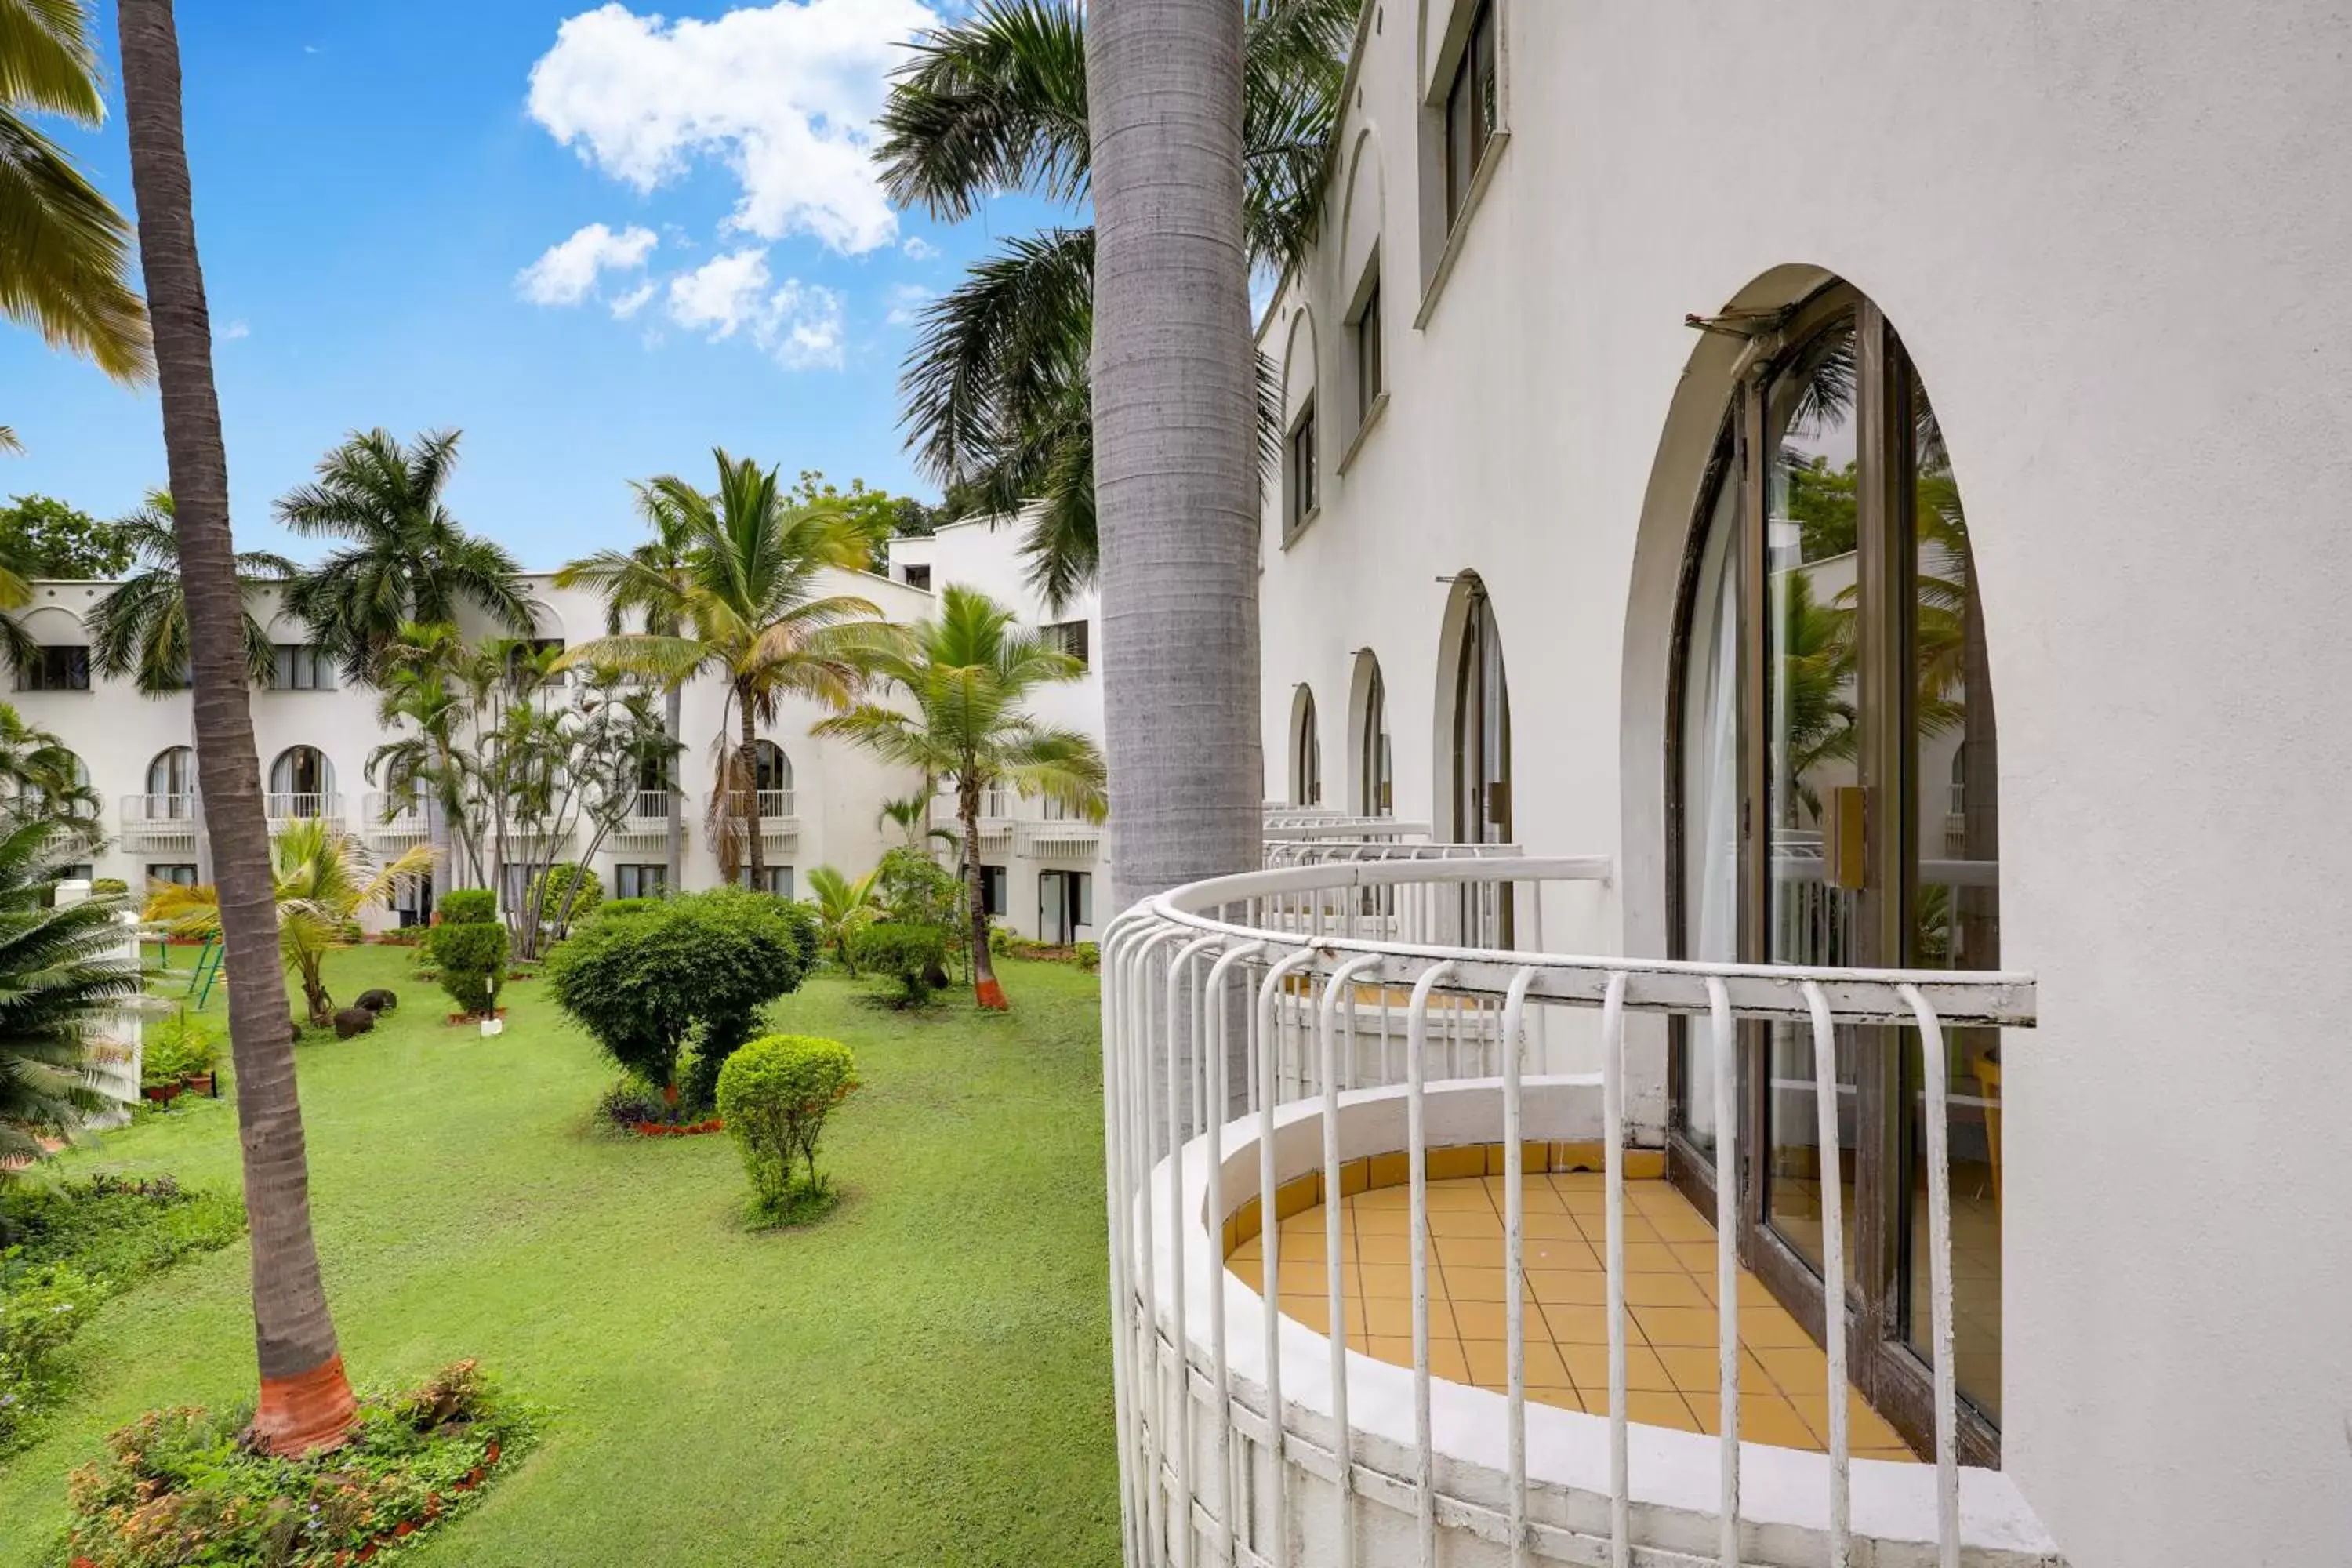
<point x="1175" y="401"/>
<point x="747" y="761"/>
<point x="986" y="988"/>
<point x="674" y="726"/>
<point x="306" y="1401"/>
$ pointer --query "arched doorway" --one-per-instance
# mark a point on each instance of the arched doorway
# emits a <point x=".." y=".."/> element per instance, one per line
<point x="1375" y="759"/>
<point x="1836" y="760"/>
<point x="772" y="778"/>
<point x="1481" y="708"/>
<point x="302" y="784"/>
<point x="1305" y="750"/>
<point x="172" y="784"/>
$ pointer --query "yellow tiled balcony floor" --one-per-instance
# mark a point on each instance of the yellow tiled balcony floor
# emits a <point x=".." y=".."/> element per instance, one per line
<point x="1670" y="1263"/>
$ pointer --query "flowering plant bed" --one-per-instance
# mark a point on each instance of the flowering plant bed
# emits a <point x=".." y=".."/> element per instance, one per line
<point x="181" y="1486"/>
<point x="475" y="1017"/>
<point x="676" y="1128"/>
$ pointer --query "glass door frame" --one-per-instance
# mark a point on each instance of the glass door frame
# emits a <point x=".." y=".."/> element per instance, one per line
<point x="1891" y="1373"/>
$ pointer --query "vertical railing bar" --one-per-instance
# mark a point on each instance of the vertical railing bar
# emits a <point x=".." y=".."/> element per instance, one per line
<point x="1334" y="1250"/>
<point x="1825" y="1112"/>
<point x="1726" y="1269"/>
<point x="1543" y="1013"/>
<point x="1933" y="1069"/>
<point x="1613" y="1128"/>
<point x="1155" y="1429"/>
<point x="1515" y="1328"/>
<point x="1270" y="1230"/>
<point x="1179" y="1125"/>
<point x="1115" y="1041"/>
<point x="1228" y="1482"/>
<point x="1416" y="1144"/>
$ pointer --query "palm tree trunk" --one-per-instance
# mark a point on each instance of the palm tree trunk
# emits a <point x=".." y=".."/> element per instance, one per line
<point x="1176" y="480"/>
<point x="748" y="760"/>
<point x="674" y="726"/>
<point x="306" y="1400"/>
<point x="986" y="991"/>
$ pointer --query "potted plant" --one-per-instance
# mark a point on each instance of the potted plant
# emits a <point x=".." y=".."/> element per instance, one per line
<point x="188" y="1049"/>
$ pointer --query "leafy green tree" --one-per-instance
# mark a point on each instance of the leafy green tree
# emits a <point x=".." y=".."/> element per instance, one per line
<point x="64" y="252"/>
<point x="965" y="676"/>
<point x="998" y="383"/>
<point x="408" y="559"/>
<point x="747" y="609"/>
<point x="141" y="627"/>
<point x="875" y="516"/>
<point x="43" y="537"/>
<point x="842" y="906"/>
<point x="63" y="970"/>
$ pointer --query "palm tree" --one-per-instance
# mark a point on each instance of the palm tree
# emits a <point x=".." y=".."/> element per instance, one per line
<point x="429" y="687"/>
<point x="322" y="878"/>
<point x="38" y="771"/>
<point x="747" y="609"/>
<point x="408" y="559"/>
<point x="650" y="582"/>
<point x="1175" y="473"/>
<point x="141" y="627"/>
<point x="63" y="972"/>
<point x="842" y="906"/>
<point x="966" y="674"/>
<point x="64" y="252"/>
<point x="305" y="1399"/>
<point x="998" y="385"/>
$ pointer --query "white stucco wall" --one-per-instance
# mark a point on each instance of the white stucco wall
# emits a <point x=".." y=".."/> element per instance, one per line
<point x="2112" y="238"/>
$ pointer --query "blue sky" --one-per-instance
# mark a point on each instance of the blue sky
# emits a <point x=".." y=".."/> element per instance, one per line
<point x="375" y="181"/>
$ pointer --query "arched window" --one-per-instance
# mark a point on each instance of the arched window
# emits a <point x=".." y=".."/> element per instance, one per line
<point x="1375" y="766"/>
<point x="1836" y="758"/>
<point x="773" y="780"/>
<point x="63" y="782"/>
<point x="172" y="783"/>
<point x="1306" y="751"/>
<point x="302" y="784"/>
<point x="1482" y="725"/>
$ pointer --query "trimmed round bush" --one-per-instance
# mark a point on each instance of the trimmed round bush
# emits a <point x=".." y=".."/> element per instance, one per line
<point x="556" y="883"/>
<point x="471" y="956"/>
<point x="775" y="1095"/>
<point x="468" y="905"/>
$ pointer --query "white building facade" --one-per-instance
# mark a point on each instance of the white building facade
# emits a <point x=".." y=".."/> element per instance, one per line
<point x="820" y="799"/>
<point x="1041" y="864"/>
<point x="1693" y="417"/>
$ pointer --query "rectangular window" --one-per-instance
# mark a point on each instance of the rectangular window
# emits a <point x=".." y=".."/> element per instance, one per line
<point x="1068" y="636"/>
<point x="180" y="874"/>
<point x="301" y="668"/>
<point x="1470" y="111"/>
<point x="1084" y="881"/>
<point x="994" y="889"/>
<point x="1367" y="331"/>
<point x="412" y="901"/>
<point x="61" y="667"/>
<point x="640" y="881"/>
<point x="779" y="880"/>
<point x="1300" y="470"/>
<point x="918" y="577"/>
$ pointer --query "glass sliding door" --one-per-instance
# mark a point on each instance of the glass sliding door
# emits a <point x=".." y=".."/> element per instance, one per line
<point x="1836" y="775"/>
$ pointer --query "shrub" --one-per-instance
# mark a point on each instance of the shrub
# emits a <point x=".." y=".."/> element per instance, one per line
<point x="555" y="884"/>
<point x="181" y="1046"/>
<point x="611" y="907"/>
<point x="775" y="1094"/>
<point x="179" y="1487"/>
<point x="109" y="887"/>
<point x="1089" y="956"/>
<point x="1000" y="941"/>
<point x="468" y="905"/>
<point x="694" y="970"/>
<point x="41" y="1310"/>
<point x="472" y="955"/>
<point x="913" y="955"/>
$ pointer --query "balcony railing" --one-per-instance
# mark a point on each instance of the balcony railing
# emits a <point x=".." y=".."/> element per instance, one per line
<point x="648" y="816"/>
<point x="1059" y="831"/>
<point x="1263" y="1055"/>
<point x="395" y="819"/>
<point x="777" y="823"/>
<point x="282" y="808"/>
<point x="159" y="821"/>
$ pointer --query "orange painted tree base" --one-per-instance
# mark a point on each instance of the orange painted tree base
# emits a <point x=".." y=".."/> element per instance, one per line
<point x="306" y="1413"/>
<point x="991" y="996"/>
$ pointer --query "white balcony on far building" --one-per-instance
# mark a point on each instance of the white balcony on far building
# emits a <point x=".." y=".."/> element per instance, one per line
<point x="282" y="809"/>
<point x="395" y="820"/>
<point x="159" y="821"/>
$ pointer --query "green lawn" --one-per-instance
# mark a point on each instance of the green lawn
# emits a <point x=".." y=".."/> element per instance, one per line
<point x="923" y="1378"/>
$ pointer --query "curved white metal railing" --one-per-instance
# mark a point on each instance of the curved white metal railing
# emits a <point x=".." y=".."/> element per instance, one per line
<point x="1225" y="1006"/>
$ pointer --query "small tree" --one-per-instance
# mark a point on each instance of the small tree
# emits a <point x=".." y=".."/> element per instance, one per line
<point x="566" y="892"/>
<point x="841" y="906"/>
<point x="469" y="947"/>
<point x="776" y="1094"/>
<point x="913" y="955"/>
<point x="693" y="970"/>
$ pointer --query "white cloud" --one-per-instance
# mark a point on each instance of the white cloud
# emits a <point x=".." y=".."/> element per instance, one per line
<point x="799" y="323"/>
<point x="636" y="300"/>
<point x="907" y="302"/>
<point x="784" y="94"/>
<point x="567" y="274"/>
<point x="232" y="331"/>
<point x="919" y="248"/>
